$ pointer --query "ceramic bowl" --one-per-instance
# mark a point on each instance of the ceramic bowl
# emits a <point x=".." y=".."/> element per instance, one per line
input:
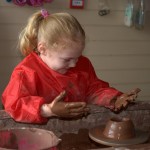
<point x="119" y="129"/>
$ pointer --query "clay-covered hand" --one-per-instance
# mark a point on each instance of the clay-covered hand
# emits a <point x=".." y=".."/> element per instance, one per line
<point x="126" y="98"/>
<point x="65" y="109"/>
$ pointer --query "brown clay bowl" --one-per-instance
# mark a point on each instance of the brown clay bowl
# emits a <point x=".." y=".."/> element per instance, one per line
<point x="119" y="129"/>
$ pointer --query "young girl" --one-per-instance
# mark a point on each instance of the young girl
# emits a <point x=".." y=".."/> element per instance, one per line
<point x="54" y="79"/>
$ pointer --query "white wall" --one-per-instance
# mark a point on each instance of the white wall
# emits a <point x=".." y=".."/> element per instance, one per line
<point x="120" y="55"/>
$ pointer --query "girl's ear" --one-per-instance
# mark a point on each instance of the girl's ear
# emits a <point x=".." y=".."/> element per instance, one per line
<point x="41" y="48"/>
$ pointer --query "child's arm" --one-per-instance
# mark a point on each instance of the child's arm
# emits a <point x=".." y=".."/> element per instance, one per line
<point x="100" y="93"/>
<point x="20" y="98"/>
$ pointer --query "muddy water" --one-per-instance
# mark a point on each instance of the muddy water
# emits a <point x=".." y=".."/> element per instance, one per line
<point x="80" y="141"/>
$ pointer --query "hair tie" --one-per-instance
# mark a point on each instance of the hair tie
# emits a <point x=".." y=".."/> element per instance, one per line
<point x="44" y="13"/>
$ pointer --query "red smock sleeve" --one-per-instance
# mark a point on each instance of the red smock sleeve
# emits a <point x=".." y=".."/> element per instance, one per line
<point x="99" y="91"/>
<point x="20" y="98"/>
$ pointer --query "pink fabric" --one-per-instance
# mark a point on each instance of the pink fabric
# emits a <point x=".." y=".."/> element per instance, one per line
<point x="33" y="83"/>
<point x="19" y="2"/>
<point x="31" y="2"/>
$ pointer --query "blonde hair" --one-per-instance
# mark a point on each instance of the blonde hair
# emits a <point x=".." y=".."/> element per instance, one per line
<point x="55" y="29"/>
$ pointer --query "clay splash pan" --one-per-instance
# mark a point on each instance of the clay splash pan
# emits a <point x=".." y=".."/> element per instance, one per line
<point x="118" y="132"/>
<point x="27" y="139"/>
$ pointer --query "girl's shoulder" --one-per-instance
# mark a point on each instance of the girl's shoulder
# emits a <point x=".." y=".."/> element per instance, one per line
<point x="84" y="63"/>
<point x="28" y="64"/>
<point x="84" y="59"/>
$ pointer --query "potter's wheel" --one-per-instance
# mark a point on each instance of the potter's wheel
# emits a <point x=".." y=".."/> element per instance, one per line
<point x="96" y="134"/>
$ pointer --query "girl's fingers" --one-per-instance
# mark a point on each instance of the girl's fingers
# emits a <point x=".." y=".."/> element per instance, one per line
<point x="134" y="92"/>
<point x="79" y="110"/>
<point x="137" y="90"/>
<point x="72" y="105"/>
<point x="60" y="96"/>
<point x="76" y="107"/>
<point x="131" y="98"/>
<point x="125" y="99"/>
<point x="77" y="114"/>
<point x="125" y="104"/>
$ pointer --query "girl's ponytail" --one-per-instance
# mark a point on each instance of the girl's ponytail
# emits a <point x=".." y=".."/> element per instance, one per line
<point x="28" y="38"/>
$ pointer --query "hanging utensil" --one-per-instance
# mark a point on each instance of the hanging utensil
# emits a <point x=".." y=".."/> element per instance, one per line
<point x="128" y="19"/>
<point x="103" y="7"/>
<point x="140" y="15"/>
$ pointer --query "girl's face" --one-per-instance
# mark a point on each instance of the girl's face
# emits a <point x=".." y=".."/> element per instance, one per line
<point x="62" y="60"/>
